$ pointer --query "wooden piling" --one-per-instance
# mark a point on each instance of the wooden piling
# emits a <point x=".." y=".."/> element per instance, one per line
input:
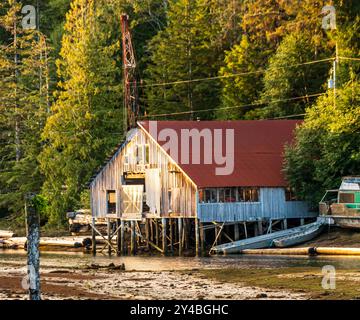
<point x="93" y="237"/>
<point x="122" y="237"/>
<point x="147" y="236"/>
<point x="236" y="232"/>
<point x="133" y="238"/>
<point x="260" y="227"/>
<point x="151" y="230"/>
<point x="118" y="239"/>
<point x="285" y="225"/>
<point x="157" y="232"/>
<point x="245" y="230"/>
<point x="109" y="236"/>
<point x="202" y="239"/>
<point x="180" y="227"/>
<point x="302" y="221"/>
<point x="197" y="238"/>
<point x="171" y="235"/>
<point x="163" y="235"/>
<point x="33" y="255"/>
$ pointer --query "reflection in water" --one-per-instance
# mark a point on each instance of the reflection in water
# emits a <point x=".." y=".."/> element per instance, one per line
<point x="158" y="263"/>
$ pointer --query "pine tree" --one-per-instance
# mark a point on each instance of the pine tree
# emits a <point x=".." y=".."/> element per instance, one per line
<point x="190" y="47"/>
<point x="287" y="77"/>
<point x="86" y="121"/>
<point x="23" y="104"/>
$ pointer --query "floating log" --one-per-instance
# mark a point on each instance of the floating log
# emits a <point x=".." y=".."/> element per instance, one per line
<point x="288" y="251"/>
<point x="47" y="243"/>
<point x="337" y="251"/>
<point x="305" y="251"/>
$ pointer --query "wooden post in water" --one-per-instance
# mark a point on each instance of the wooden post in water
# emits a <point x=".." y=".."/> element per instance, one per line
<point x="260" y="228"/>
<point x="151" y="230"/>
<point x="202" y="239"/>
<point x="285" y="226"/>
<point x="133" y="238"/>
<point x="122" y="237"/>
<point x="118" y="239"/>
<point x="216" y="234"/>
<point x="157" y="232"/>
<point x="302" y="221"/>
<point x="186" y="233"/>
<point x="197" y="238"/>
<point x="109" y="235"/>
<point x="236" y="232"/>
<point x="245" y="230"/>
<point x="33" y="255"/>
<point x="171" y="235"/>
<point x="163" y="236"/>
<point x="93" y="236"/>
<point x="180" y="226"/>
<point x="147" y="236"/>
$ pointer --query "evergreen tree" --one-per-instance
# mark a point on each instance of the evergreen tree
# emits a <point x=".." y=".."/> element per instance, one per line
<point x="86" y="121"/>
<point x="190" y="47"/>
<point x="23" y="104"/>
<point x="327" y="144"/>
<point x="287" y="77"/>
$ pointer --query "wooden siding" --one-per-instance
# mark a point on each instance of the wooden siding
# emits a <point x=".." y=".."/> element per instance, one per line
<point x="182" y="190"/>
<point x="271" y="205"/>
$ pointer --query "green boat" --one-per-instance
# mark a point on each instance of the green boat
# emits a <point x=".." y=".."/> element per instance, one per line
<point x="343" y="205"/>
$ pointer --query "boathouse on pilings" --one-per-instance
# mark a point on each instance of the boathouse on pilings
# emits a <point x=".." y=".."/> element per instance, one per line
<point x="177" y="186"/>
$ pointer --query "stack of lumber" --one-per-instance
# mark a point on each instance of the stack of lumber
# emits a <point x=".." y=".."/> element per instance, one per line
<point x="5" y="234"/>
<point x="48" y="244"/>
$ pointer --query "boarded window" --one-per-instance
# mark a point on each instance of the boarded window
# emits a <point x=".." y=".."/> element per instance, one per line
<point x="346" y="197"/>
<point x="248" y="194"/>
<point x="111" y="201"/>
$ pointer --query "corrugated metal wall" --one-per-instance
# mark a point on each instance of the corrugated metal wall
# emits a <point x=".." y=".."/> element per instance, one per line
<point x="271" y="205"/>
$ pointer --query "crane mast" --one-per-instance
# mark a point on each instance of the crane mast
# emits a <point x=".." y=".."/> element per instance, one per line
<point x="131" y="106"/>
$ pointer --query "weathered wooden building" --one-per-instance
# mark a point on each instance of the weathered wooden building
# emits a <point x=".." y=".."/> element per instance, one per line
<point x="196" y="175"/>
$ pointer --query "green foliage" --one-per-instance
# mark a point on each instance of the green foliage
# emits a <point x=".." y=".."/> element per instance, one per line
<point x="23" y="105"/>
<point x="287" y="77"/>
<point x="85" y="122"/>
<point x="190" y="47"/>
<point x="327" y="144"/>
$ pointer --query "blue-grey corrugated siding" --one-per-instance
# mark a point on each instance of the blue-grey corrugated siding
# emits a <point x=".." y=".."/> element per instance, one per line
<point x="271" y="204"/>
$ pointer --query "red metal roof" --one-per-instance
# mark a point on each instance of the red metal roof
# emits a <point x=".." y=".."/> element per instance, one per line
<point x="258" y="151"/>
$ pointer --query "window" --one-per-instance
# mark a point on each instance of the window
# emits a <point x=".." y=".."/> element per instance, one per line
<point x="221" y="195"/>
<point x="346" y="197"/>
<point x="290" y="195"/>
<point x="230" y="195"/>
<point x="208" y="195"/>
<point x="248" y="194"/>
<point x="111" y="201"/>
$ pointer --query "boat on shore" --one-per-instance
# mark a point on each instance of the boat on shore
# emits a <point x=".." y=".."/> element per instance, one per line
<point x="286" y="237"/>
<point x="343" y="205"/>
<point x="310" y="232"/>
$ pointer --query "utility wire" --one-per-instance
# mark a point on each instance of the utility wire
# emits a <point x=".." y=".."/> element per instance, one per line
<point x="234" y="74"/>
<point x="235" y="107"/>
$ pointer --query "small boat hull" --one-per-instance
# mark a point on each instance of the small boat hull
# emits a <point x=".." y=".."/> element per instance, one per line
<point x="264" y="241"/>
<point x="296" y="239"/>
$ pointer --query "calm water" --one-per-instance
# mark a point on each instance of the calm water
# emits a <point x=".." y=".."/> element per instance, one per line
<point x="157" y="263"/>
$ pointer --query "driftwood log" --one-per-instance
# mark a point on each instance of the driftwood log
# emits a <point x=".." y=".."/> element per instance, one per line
<point x="4" y="234"/>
